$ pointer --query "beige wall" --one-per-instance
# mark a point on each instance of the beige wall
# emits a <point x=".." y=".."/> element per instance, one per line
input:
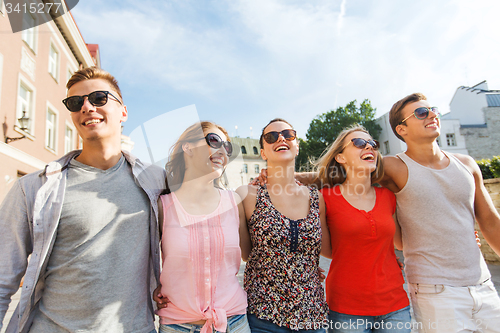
<point x="19" y="62"/>
<point x="493" y="187"/>
<point x="235" y="174"/>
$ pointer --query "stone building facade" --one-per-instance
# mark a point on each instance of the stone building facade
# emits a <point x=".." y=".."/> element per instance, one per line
<point x="478" y="109"/>
<point x="246" y="165"/>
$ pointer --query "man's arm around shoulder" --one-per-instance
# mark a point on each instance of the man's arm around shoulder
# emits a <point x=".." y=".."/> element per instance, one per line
<point x="486" y="214"/>
<point x="395" y="174"/>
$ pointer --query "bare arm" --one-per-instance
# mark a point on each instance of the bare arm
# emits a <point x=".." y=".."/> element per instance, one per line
<point x="486" y="214"/>
<point x="326" y="244"/>
<point x="308" y="178"/>
<point x="245" y="241"/>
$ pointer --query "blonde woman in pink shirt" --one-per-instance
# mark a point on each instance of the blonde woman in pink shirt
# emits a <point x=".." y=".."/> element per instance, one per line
<point x="201" y="227"/>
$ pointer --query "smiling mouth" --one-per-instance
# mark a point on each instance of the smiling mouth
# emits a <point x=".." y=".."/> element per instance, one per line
<point x="92" y="121"/>
<point x="280" y="148"/>
<point x="217" y="161"/>
<point x="368" y="157"/>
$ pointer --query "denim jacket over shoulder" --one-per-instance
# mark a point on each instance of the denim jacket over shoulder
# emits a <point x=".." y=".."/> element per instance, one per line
<point x="29" y="217"/>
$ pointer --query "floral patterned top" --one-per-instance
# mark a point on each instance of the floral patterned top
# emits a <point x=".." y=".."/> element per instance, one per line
<point x="281" y="276"/>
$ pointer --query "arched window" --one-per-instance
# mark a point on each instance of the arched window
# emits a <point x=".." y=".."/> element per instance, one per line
<point x="255" y="151"/>
<point x="243" y="150"/>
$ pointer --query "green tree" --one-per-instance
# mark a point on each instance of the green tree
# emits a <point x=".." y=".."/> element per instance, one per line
<point x="325" y="127"/>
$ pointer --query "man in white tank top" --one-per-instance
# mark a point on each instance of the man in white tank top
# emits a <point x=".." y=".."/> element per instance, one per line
<point x="440" y="195"/>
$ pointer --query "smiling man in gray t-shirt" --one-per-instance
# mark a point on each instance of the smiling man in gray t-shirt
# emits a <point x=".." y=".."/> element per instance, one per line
<point x="89" y="221"/>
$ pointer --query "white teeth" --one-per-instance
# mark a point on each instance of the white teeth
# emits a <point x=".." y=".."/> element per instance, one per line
<point x="367" y="157"/>
<point x="217" y="161"/>
<point x="281" y="148"/>
<point x="92" y="121"/>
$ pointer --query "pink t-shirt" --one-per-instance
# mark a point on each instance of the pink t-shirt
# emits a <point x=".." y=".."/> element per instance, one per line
<point x="201" y="257"/>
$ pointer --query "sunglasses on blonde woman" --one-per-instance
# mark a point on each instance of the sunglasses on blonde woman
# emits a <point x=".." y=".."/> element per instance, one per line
<point x="361" y="143"/>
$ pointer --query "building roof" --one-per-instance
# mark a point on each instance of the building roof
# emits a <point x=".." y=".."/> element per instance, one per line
<point x="493" y="99"/>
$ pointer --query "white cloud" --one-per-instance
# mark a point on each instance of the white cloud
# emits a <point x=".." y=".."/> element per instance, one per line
<point x="297" y="59"/>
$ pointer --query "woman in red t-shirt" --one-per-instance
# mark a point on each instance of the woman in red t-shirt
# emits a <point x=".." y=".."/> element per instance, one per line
<point x="364" y="286"/>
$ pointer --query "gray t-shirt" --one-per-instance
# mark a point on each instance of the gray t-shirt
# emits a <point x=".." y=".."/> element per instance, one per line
<point x="97" y="275"/>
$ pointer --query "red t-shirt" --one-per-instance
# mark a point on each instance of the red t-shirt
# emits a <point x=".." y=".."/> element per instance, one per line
<point x="364" y="277"/>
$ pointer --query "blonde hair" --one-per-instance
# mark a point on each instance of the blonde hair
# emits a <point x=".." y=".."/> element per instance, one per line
<point x="176" y="165"/>
<point x="330" y="172"/>
<point x="92" y="73"/>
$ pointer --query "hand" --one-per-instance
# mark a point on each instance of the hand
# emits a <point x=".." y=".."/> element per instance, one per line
<point x="261" y="179"/>
<point x="478" y="240"/>
<point x="322" y="276"/>
<point x="401" y="265"/>
<point x="161" y="300"/>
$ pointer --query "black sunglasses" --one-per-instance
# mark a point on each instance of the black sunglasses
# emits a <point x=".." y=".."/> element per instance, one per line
<point x="215" y="141"/>
<point x="422" y="113"/>
<point x="96" y="98"/>
<point x="361" y="143"/>
<point x="272" y="137"/>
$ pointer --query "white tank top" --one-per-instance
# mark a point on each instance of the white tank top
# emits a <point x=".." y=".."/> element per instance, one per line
<point x="436" y="212"/>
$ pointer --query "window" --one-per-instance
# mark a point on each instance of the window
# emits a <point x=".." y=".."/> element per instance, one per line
<point x="243" y="150"/>
<point x="450" y="139"/>
<point x="69" y="74"/>
<point x="255" y="151"/>
<point x="256" y="168"/>
<point x="68" y="140"/>
<point x="245" y="168"/>
<point x="387" y="148"/>
<point x="25" y="106"/>
<point x="53" y="62"/>
<point x="50" y="130"/>
<point x="28" y="33"/>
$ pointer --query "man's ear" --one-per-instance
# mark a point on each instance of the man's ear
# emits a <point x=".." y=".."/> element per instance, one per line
<point x="124" y="116"/>
<point x="401" y="130"/>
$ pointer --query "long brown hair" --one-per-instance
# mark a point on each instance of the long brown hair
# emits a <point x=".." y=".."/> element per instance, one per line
<point x="330" y="172"/>
<point x="176" y="165"/>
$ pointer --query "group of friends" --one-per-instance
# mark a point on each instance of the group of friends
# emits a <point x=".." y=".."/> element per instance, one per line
<point x="104" y="241"/>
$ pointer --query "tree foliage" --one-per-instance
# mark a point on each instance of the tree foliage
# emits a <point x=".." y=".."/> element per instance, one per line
<point x="490" y="168"/>
<point x="325" y="127"/>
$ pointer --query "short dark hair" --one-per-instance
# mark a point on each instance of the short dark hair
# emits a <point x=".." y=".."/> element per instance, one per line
<point x="395" y="115"/>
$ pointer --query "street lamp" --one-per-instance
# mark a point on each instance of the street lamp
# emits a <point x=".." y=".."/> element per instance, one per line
<point x="23" y="121"/>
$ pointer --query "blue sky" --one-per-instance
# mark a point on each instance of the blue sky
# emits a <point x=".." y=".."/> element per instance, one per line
<point x="242" y="63"/>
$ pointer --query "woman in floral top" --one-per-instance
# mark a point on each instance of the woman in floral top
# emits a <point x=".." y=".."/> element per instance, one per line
<point x="288" y="231"/>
